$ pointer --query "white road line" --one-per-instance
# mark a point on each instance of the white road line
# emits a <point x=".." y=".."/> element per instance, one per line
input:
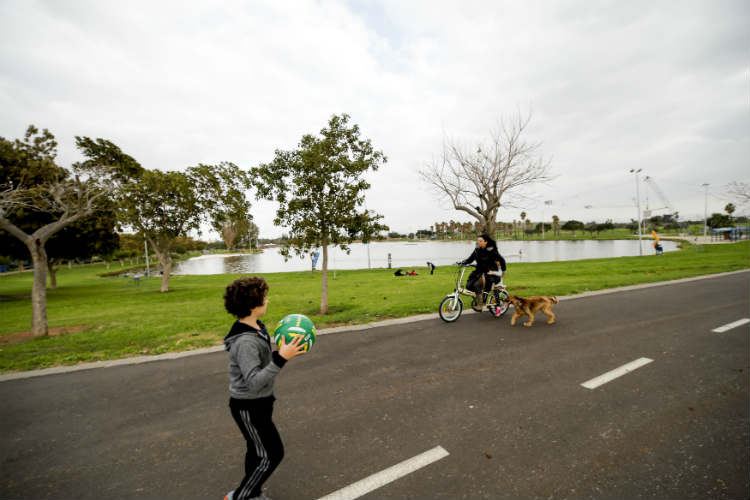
<point x="735" y="324"/>
<point x="617" y="372"/>
<point x="388" y="475"/>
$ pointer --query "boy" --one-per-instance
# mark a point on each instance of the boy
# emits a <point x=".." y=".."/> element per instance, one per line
<point x="253" y="366"/>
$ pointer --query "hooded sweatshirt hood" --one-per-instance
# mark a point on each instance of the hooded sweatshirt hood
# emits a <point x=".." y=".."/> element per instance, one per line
<point x="239" y="328"/>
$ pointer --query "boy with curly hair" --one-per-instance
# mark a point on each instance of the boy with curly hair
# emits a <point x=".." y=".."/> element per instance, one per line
<point x="253" y="366"/>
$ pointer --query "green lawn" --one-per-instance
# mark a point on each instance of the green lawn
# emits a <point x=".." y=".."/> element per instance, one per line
<point x="118" y="318"/>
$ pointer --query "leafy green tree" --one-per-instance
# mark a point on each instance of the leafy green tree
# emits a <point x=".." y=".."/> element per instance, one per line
<point x="38" y="199"/>
<point x="607" y="225"/>
<point x="730" y="208"/>
<point x="84" y="239"/>
<point x="720" y="220"/>
<point x="320" y="188"/>
<point x="164" y="206"/>
<point x="573" y="225"/>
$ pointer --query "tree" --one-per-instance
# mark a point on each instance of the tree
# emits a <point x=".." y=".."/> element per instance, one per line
<point x="477" y="181"/>
<point x="740" y="191"/>
<point x="607" y="225"/>
<point x="542" y="225"/>
<point x="556" y="224"/>
<point x="164" y="206"/>
<point x="730" y="208"/>
<point x="573" y="225"/>
<point x="92" y="236"/>
<point x="319" y="188"/>
<point x="719" y="220"/>
<point x="523" y="220"/>
<point x="38" y="199"/>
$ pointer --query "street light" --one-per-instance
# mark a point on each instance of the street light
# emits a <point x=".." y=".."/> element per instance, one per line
<point x="638" y="201"/>
<point x="546" y="202"/>
<point x="705" y="211"/>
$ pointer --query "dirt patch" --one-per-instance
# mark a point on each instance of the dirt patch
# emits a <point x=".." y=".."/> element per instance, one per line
<point x="15" y="338"/>
<point x="14" y="297"/>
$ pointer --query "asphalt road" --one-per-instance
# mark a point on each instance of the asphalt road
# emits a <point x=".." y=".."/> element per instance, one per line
<point x="505" y="402"/>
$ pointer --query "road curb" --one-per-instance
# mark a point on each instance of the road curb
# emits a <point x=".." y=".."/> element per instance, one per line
<point x="325" y="331"/>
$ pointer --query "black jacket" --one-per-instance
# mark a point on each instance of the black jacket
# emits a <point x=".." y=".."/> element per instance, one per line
<point x="486" y="259"/>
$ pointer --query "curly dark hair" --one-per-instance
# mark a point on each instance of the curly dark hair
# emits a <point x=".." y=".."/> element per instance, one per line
<point x="244" y="295"/>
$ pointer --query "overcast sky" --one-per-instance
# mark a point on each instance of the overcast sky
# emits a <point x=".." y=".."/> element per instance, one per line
<point x="612" y="85"/>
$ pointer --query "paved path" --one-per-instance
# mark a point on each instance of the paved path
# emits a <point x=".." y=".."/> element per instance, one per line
<point x="506" y="404"/>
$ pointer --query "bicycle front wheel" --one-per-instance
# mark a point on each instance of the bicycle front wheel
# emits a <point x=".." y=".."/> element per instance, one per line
<point x="450" y="309"/>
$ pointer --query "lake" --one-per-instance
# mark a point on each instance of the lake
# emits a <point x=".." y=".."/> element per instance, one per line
<point x="407" y="255"/>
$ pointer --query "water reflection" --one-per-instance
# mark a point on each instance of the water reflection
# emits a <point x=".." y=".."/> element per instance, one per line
<point x="406" y="255"/>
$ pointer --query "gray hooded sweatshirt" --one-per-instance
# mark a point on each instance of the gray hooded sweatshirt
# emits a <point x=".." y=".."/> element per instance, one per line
<point x="253" y="364"/>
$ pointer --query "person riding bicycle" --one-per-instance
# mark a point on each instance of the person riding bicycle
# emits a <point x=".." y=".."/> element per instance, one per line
<point x="490" y="267"/>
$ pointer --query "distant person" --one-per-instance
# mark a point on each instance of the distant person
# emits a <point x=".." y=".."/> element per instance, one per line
<point x="253" y="367"/>
<point x="432" y="267"/>
<point x="399" y="272"/>
<point x="490" y="267"/>
<point x="412" y="273"/>
<point x="659" y="249"/>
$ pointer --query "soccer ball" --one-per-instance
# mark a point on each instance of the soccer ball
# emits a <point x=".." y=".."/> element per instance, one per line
<point x="293" y="325"/>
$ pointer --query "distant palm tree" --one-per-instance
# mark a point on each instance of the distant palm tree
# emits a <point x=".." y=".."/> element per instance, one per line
<point x="556" y="224"/>
<point x="523" y="220"/>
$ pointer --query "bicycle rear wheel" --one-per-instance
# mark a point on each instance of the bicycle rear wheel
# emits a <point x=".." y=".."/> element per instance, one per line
<point x="501" y="301"/>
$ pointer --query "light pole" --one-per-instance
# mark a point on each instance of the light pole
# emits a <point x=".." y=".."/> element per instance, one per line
<point x="638" y="202"/>
<point x="705" y="211"/>
<point x="546" y="202"/>
<point x="145" y="245"/>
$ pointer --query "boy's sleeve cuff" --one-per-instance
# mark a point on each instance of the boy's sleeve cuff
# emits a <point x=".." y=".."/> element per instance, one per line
<point x="278" y="360"/>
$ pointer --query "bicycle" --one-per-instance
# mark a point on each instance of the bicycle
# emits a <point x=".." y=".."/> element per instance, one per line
<point x="452" y="305"/>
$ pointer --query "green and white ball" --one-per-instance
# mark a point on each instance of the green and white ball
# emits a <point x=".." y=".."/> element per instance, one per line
<point x="293" y="325"/>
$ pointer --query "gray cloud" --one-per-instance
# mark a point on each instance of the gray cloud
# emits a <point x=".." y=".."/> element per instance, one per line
<point x="613" y="85"/>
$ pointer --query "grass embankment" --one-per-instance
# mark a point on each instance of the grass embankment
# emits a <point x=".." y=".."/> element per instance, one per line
<point x="114" y="318"/>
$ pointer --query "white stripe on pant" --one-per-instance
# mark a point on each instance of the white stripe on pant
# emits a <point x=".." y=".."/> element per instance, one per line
<point x="260" y="451"/>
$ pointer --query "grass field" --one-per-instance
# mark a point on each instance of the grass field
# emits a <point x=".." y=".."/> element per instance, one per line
<point x="112" y="317"/>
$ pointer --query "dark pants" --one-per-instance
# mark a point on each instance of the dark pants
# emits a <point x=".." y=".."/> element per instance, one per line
<point x="474" y="283"/>
<point x="264" y="447"/>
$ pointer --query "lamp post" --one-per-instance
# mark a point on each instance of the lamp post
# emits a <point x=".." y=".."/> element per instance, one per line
<point x="638" y="202"/>
<point x="546" y="202"/>
<point x="145" y="246"/>
<point x="705" y="211"/>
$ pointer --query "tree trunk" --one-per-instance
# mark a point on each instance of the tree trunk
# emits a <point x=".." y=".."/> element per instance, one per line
<point x="52" y="270"/>
<point x="38" y="289"/>
<point x="70" y="264"/>
<point x="324" y="281"/>
<point x="166" y="267"/>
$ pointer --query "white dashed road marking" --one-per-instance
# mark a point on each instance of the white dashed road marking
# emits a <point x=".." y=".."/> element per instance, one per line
<point x="735" y="324"/>
<point x="388" y="475"/>
<point x="617" y="372"/>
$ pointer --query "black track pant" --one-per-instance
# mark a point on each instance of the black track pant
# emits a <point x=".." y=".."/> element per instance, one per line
<point x="474" y="282"/>
<point x="264" y="447"/>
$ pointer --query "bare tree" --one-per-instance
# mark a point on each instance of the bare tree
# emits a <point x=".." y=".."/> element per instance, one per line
<point x="740" y="191"/>
<point x="476" y="181"/>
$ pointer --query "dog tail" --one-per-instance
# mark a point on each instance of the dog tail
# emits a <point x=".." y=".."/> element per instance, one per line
<point x="554" y="299"/>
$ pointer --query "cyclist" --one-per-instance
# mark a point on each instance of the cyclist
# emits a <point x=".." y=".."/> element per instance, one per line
<point x="490" y="267"/>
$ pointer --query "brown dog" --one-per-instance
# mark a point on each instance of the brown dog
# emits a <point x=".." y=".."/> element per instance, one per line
<point x="529" y="306"/>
